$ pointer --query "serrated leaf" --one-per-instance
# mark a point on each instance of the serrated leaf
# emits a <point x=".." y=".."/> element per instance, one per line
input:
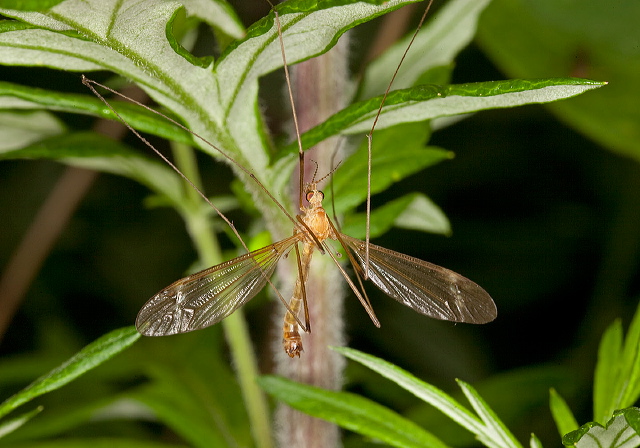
<point x="562" y="415"/>
<point x="219" y="103"/>
<point x="351" y="412"/>
<point x="617" y="433"/>
<point x="427" y="102"/>
<point x="86" y="359"/>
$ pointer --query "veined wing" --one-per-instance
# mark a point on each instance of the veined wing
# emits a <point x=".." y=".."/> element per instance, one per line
<point x="207" y="297"/>
<point x="424" y="287"/>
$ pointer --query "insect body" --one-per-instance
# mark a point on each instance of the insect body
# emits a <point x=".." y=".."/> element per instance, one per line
<point x="207" y="297"/>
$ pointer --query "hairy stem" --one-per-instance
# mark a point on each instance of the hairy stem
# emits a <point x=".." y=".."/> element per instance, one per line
<point x="319" y="90"/>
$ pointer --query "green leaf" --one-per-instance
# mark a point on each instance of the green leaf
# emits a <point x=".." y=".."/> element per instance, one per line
<point x="437" y="44"/>
<point x="10" y="425"/>
<point x="396" y="154"/>
<point x="617" y="376"/>
<point x="86" y="359"/>
<point x="15" y="96"/>
<point x="92" y="151"/>
<point x="419" y="388"/>
<point x="489" y="429"/>
<point x="219" y="103"/>
<point x="29" y="5"/>
<point x="495" y="433"/>
<point x="20" y="129"/>
<point x="218" y="14"/>
<point x="413" y="211"/>
<point x="351" y="412"/>
<point x="175" y="405"/>
<point x="424" y="215"/>
<point x="621" y="431"/>
<point x="562" y="415"/>
<point x="592" y="39"/>
<point x="630" y="364"/>
<point x="607" y="372"/>
<point x="426" y="102"/>
<point x="191" y="389"/>
<point x="534" y="442"/>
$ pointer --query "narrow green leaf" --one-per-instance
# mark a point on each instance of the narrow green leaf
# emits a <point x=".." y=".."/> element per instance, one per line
<point x="562" y="415"/>
<point x="427" y="102"/>
<point x="15" y="96"/>
<point x="412" y="211"/>
<point x="352" y="412"/>
<point x="607" y="372"/>
<point x="10" y="425"/>
<point x="630" y="364"/>
<point x="495" y="432"/>
<point x="618" y="432"/>
<point x="534" y="442"/>
<point x="86" y="359"/>
<point x="426" y="392"/>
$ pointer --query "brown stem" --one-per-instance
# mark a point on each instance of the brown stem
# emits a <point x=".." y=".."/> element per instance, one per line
<point x="319" y="87"/>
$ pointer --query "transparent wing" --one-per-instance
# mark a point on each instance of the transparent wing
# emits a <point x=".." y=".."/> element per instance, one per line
<point x="424" y="287"/>
<point x="207" y="297"/>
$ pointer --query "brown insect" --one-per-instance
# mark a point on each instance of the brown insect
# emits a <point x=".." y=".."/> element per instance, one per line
<point x="207" y="297"/>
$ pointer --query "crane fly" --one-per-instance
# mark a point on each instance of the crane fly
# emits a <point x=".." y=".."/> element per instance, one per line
<point x="207" y="297"/>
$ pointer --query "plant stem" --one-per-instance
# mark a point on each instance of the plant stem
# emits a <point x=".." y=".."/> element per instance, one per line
<point x="235" y="327"/>
<point x="319" y="90"/>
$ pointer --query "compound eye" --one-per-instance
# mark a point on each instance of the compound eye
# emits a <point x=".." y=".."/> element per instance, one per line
<point x="317" y="194"/>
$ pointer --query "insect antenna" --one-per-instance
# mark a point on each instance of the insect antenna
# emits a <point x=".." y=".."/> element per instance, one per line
<point x="370" y="138"/>
<point x="91" y="83"/>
